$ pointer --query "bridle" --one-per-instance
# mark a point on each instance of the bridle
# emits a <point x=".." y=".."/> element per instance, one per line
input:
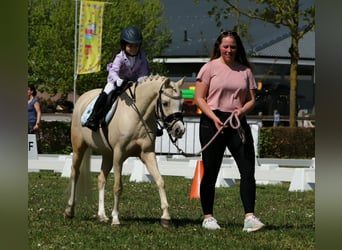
<point x="169" y="121"/>
<point x="164" y="121"/>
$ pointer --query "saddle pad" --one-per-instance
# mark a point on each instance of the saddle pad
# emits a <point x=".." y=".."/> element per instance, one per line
<point x="90" y="107"/>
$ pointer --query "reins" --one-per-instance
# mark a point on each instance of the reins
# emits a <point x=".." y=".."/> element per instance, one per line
<point x="132" y="96"/>
<point x="229" y="120"/>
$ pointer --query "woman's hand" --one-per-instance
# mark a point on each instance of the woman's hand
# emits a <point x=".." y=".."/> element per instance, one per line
<point x="36" y="127"/>
<point x="218" y="123"/>
<point x="240" y="112"/>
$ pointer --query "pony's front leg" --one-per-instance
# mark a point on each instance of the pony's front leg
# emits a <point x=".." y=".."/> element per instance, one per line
<point x="151" y="164"/>
<point x="115" y="212"/>
<point x="117" y="193"/>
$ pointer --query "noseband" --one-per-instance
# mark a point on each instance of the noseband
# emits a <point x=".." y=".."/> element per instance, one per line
<point x="168" y="121"/>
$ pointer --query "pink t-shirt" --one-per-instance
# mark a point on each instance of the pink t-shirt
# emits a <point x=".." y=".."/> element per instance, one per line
<point x="228" y="88"/>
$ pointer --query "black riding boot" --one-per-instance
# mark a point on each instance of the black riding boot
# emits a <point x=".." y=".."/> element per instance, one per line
<point x="97" y="113"/>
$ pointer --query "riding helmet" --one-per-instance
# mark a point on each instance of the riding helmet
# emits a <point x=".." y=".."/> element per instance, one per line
<point x="131" y="35"/>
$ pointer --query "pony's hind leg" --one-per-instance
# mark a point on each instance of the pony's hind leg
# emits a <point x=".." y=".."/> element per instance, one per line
<point x="106" y="166"/>
<point x="77" y="158"/>
<point x="151" y="164"/>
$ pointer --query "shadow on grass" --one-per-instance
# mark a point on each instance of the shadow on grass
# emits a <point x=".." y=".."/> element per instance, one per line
<point x="176" y="223"/>
<point x="288" y="227"/>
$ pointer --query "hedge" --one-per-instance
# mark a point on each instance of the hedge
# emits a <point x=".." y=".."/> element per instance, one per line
<point x="54" y="138"/>
<point x="274" y="142"/>
<point x="286" y="142"/>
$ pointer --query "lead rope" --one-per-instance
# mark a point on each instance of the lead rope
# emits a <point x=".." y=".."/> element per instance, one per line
<point x="231" y="123"/>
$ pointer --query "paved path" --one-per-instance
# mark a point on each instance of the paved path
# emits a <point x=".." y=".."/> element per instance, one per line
<point x="56" y="117"/>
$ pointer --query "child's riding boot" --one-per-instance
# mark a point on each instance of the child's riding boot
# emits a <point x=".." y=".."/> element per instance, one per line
<point x="97" y="113"/>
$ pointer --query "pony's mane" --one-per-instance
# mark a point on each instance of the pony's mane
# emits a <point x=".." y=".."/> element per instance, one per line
<point x="151" y="78"/>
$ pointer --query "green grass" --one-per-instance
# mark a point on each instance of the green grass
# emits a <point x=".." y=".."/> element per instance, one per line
<point x="289" y="216"/>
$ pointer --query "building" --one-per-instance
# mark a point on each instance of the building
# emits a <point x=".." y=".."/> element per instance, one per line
<point x="194" y="33"/>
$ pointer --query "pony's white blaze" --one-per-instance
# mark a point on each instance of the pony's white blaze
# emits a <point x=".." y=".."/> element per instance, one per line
<point x="131" y="133"/>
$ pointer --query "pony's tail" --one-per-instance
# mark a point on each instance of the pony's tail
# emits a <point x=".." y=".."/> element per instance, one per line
<point x="84" y="183"/>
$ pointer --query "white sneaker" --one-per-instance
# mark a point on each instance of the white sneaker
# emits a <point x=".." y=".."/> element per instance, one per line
<point x="252" y="224"/>
<point x="210" y="223"/>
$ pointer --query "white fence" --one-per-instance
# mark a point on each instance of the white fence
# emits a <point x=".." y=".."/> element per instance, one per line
<point x="301" y="179"/>
<point x="190" y="142"/>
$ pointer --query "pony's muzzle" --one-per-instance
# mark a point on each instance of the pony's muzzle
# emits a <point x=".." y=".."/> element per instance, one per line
<point x="178" y="129"/>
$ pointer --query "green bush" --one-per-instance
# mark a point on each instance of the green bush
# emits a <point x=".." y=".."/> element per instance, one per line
<point x="54" y="138"/>
<point x="286" y="142"/>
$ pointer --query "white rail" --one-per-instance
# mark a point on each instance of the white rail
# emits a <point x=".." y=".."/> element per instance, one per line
<point x="301" y="179"/>
<point x="190" y="142"/>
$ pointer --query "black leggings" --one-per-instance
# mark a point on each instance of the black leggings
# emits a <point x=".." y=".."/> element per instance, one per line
<point x="212" y="156"/>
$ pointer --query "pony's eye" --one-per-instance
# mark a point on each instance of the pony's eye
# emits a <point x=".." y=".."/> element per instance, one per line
<point x="165" y="104"/>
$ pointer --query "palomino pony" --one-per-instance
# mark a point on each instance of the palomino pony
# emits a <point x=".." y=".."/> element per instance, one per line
<point x="131" y="133"/>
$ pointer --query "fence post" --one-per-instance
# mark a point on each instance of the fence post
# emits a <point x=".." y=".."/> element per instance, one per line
<point x="139" y="173"/>
<point x="66" y="172"/>
<point x="32" y="147"/>
<point x="299" y="180"/>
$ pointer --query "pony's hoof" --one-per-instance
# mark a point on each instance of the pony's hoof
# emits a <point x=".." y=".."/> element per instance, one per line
<point x="115" y="225"/>
<point x="68" y="213"/>
<point x="165" y="223"/>
<point x="103" y="219"/>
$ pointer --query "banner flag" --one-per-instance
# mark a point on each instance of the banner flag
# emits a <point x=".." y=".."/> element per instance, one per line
<point x="90" y="37"/>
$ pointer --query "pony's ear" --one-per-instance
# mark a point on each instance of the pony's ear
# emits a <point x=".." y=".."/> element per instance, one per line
<point x="180" y="82"/>
<point x="166" y="82"/>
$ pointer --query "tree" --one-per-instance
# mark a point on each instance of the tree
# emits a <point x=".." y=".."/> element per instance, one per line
<point x="288" y="13"/>
<point x="51" y="44"/>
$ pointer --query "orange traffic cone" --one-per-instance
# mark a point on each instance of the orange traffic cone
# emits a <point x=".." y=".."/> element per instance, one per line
<point x="196" y="182"/>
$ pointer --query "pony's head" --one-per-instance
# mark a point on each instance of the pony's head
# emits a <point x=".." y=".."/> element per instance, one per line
<point x="169" y="108"/>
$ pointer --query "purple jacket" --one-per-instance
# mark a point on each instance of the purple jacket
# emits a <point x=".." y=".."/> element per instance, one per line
<point x="120" y="68"/>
